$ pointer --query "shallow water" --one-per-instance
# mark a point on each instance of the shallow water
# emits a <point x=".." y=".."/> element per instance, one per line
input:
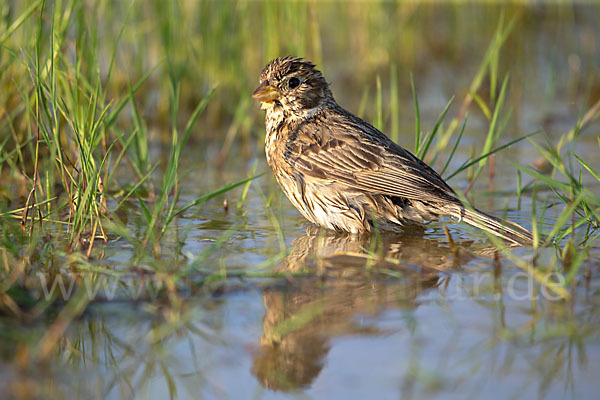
<point x="322" y="319"/>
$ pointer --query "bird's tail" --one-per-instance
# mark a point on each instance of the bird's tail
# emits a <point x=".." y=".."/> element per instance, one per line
<point x="506" y="230"/>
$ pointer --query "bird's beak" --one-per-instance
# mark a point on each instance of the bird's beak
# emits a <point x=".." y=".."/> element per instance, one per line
<point x="265" y="93"/>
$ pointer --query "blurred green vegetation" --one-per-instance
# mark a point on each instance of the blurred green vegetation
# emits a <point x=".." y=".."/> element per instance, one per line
<point x="203" y="44"/>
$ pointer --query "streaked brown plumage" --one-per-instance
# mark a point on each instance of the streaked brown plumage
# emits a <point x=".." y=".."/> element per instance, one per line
<point x="341" y="172"/>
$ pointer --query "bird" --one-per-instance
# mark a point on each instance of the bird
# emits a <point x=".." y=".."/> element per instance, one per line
<point x="344" y="174"/>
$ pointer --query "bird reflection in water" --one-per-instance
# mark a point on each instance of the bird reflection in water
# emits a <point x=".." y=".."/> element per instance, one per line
<point x="349" y="276"/>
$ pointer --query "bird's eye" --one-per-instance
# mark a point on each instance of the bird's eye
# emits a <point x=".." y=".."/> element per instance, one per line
<point x="294" y="82"/>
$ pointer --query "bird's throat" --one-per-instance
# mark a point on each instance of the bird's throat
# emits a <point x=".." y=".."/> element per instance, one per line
<point x="275" y="116"/>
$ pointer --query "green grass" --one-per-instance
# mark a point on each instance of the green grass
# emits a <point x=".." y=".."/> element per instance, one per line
<point x="72" y="139"/>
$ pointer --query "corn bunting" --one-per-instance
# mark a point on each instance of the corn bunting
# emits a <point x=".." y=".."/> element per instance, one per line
<point x="342" y="173"/>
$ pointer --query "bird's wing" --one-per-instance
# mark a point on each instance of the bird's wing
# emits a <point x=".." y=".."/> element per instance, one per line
<point x="366" y="161"/>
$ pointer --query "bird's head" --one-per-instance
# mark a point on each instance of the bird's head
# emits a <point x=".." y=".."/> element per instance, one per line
<point x="294" y="85"/>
